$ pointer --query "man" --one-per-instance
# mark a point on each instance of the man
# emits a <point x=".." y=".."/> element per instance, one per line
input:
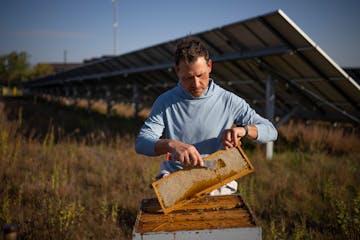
<point x="196" y="116"/>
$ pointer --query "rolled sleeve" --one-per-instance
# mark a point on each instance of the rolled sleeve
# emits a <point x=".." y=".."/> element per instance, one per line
<point x="145" y="145"/>
<point x="147" y="138"/>
<point x="266" y="133"/>
<point x="245" y="115"/>
<point x="150" y="132"/>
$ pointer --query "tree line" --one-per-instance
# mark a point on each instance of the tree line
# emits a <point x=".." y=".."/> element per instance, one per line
<point x="15" y="67"/>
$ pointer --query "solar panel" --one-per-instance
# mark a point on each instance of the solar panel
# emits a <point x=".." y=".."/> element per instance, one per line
<point x="307" y="82"/>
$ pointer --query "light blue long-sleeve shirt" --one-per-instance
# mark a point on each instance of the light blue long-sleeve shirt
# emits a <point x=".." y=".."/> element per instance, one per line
<point x="199" y="121"/>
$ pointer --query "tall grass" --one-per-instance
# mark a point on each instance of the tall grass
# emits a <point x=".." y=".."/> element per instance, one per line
<point x="57" y="187"/>
<point x="310" y="190"/>
<point x="67" y="174"/>
<point x="321" y="137"/>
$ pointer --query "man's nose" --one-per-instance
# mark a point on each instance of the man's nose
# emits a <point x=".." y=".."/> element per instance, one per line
<point x="196" y="82"/>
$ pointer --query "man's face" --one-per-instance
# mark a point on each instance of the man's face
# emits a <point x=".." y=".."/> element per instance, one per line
<point x="195" y="76"/>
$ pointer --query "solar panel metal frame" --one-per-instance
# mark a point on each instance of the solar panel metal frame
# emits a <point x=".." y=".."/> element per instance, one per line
<point x="308" y="83"/>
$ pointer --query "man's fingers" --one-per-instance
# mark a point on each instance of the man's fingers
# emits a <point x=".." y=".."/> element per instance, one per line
<point x="227" y="144"/>
<point x="192" y="158"/>
<point x="233" y="137"/>
<point x="187" y="155"/>
<point x="186" y="160"/>
<point x="227" y="139"/>
<point x="201" y="162"/>
<point x="227" y="136"/>
<point x="195" y="158"/>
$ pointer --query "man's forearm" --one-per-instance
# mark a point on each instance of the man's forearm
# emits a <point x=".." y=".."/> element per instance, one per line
<point x="163" y="146"/>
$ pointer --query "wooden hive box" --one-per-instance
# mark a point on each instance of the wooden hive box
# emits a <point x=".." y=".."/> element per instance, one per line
<point x="208" y="217"/>
<point x="181" y="187"/>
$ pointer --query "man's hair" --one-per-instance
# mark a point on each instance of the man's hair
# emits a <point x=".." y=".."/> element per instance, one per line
<point x="189" y="49"/>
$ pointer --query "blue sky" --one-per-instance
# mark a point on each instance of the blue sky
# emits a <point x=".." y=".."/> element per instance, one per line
<point x="84" y="28"/>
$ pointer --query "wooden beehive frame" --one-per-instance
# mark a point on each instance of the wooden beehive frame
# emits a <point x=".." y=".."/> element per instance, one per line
<point x="207" y="212"/>
<point x="182" y="203"/>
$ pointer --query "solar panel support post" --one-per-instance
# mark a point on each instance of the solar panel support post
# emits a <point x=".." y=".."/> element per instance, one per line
<point x="269" y="111"/>
<point x="88" y="97"/>
<point x="285" y="118"/>
<point x="75" y="96"/>
<point x="67" y="95"/>
<point x="136" y="100"/>
<point x="57" y="95"/>
<point x="35" y="95"/>
<point x="48" y="94"/>
<point x="52" y="95"/>
<point x="108" y="101"/>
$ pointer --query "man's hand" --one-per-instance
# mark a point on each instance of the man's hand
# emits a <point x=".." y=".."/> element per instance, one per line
<point x="232" y="136"/>
<point x="185" y="153"/>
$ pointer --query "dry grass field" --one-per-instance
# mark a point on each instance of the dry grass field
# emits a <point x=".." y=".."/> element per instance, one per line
<point x="68" y="174"/>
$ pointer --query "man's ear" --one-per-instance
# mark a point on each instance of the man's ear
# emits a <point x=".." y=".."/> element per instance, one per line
<point x="209" y="63"/>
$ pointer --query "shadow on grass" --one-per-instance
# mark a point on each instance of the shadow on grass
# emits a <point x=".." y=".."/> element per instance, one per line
<point x="127" y="218"/>
<point x="37" y="118"/>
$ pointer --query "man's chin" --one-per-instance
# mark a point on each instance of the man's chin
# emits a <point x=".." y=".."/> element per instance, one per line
<point x="196" y="94"/>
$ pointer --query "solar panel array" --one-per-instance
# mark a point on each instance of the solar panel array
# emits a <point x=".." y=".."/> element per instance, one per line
<point x="307" y="82"/>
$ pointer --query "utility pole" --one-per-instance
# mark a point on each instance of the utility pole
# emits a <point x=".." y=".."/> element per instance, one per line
<point x="115" y="25"/>
<point x="65" y="56"/>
